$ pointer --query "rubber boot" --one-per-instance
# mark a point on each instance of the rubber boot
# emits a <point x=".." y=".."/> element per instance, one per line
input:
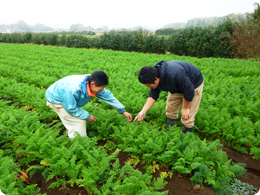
<point x="186" y="129"/>
<point x="170" y="122"/>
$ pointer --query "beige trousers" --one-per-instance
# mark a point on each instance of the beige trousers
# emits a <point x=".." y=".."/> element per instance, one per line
<point x="175" y="101"/>
<point x="71" y="123"/>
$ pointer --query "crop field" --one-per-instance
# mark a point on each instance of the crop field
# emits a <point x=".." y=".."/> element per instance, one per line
<point x="120" y="157"/>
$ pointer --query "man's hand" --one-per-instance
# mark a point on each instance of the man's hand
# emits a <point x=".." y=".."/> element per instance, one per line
<point x="140" y="116"/>
<point x="128" y="116"/>
<point x="92" y="119"/>
<point x="185" y="113"/>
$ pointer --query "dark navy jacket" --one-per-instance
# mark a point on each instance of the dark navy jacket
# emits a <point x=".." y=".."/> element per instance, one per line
<point x="177" y="77"/>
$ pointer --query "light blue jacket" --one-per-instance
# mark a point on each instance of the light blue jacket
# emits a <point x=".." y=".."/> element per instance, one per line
<point x="71" y="92"/>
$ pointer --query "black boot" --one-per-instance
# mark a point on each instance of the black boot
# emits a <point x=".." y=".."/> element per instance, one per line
<point x="170" y="122"/>
<point x="186" y="129"/>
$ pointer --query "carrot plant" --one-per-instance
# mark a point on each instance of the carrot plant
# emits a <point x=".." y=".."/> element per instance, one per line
<point x="228" y="115"/>
<point x="72" y="162"/>
<point x="9" y="182"/>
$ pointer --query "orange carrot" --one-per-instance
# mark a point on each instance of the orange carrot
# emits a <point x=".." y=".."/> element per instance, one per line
<point x="25" y="175"/>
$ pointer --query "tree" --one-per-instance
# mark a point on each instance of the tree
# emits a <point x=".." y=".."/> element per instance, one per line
<point x="246" y="35"/>
<point x="77" y="27"/>
<point x="27" y="37"/>
<point x="256" y="13"/>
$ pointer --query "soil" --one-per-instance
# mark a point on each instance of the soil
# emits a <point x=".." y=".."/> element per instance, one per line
<point x="177" y="185"/>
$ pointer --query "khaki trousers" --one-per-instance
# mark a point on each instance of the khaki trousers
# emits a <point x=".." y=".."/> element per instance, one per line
<point x="71" y="123"/>
<point x="175" y="101"/>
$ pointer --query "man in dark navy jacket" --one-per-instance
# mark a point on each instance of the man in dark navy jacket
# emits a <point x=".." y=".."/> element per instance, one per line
<point x="183" y="80"/>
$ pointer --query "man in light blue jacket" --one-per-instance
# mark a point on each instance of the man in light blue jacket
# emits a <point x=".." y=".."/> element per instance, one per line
<point x="69" y="94"/>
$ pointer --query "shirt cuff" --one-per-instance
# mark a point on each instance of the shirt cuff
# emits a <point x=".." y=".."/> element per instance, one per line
<point x="88" y="117"/>
<point x="121" y="111"/>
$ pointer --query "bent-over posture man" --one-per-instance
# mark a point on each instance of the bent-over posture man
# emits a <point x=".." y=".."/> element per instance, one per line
<point x="183" y="80"/>
<point x="69" y="94"/>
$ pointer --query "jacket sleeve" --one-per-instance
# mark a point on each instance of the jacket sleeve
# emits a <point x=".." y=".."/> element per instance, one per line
<point x="154" y="93"/>
<point x="185" y="85"/>
<point x="108" y="97"/>
<point x="70" y="105"/>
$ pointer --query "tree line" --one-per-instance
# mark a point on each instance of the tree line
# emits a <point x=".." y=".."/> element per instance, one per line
<point x="228" y="39"/>
<point x="203" y="22"/>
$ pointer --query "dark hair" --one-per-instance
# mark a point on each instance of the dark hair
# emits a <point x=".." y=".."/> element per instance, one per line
<point x="99" y="77"/>
<point x="148" y="74"/>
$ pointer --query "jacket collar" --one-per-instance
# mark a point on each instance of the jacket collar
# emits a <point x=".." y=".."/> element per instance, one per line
<point x="90" y="93"/>
<point x="161" y="67"/>
<point x="84" y="85"/>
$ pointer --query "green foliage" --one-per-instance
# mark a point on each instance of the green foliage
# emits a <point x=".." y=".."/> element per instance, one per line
<point x="77" y="33"/>
<point x="202" y="22"/>
<point x="199" y="42"/>
<point x="39" y="39"/>
<point x="52" y="39"/>
<point x="76" y="41"/>
<point x="222" y="40"/>
<point x="256" y="14"/>
<point x="32" y="189"/>
<point x="239" y="187"/>
<point x="9" y="184"/>
<point x="133" y="182"/>
<point x="255" y="151"/>
<point x="27" y="37"/>
<point x="7" y="175"/>
<point x="228" y="114"/>
<point x="202" y="42"/>
<point x="166" y="31"/>
<point x="245" y="38"/>
<point x="80" y="160"/>
<point x="154" y="44"/>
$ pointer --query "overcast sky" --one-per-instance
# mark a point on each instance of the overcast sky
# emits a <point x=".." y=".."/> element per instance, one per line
<point x="116" y="14"/>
